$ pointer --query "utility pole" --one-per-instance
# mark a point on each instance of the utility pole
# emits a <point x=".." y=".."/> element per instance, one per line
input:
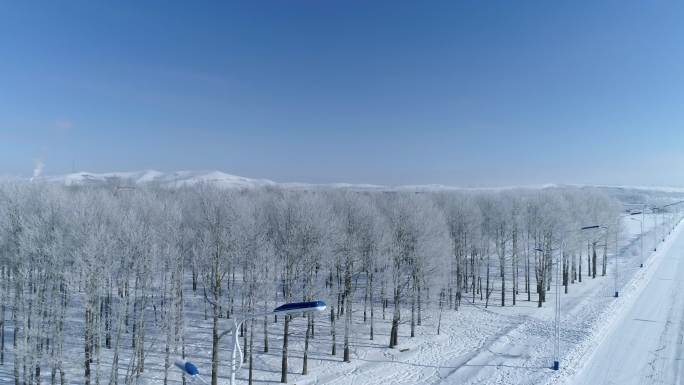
<point x="617" y="253"/>
<point x="556" y="362"/>
<point x="557" y="307"/>
<point x="641" y="237"/>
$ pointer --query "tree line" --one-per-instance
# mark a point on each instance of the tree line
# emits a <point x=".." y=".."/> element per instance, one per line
<point x="126" y="261"/>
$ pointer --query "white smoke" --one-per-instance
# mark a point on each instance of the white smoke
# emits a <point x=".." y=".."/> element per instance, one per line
<point x="38" y="169"/>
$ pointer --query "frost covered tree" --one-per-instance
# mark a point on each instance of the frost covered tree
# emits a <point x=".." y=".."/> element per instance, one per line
<point x="298" y="227"/>
<point x="417" y="236"/>
<point x="357" y="246"/>
<point x="217" y="238"/>
<point x="138" y="272"/>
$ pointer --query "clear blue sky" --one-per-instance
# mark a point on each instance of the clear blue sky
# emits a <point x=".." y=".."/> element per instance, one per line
<point x="455" y="92"/>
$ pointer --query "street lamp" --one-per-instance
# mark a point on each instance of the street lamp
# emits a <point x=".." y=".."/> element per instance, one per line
<point x="641" y="238"/>
<point x="642" y="221"/>
<point x="557" y="309"/>
<point x="654" y="211"/>
<point x="556" y="331"/>
<point x="662" y="222"/>
<point x="617" y="245"/>
<point x="662" y="213"/>
<point x="188" y="368"/>
<point x="289" y="308"/>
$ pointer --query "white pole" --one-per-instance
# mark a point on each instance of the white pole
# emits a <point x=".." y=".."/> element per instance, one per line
<point x="235" y="347"/>
<point x="617" y="252"/>
<point x="556" y="362"/>
<point x="655" y="230"/>
<point x="642" y="237"/>
<point x="662" y="222"/>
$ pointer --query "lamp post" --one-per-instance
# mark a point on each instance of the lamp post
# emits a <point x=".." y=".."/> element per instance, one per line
<point x="641" y="238"/>
<point x="290" y="308"/>
<point x="617" y="245"/>
<point x="556" y="330"/>
<point x="617" y="252"/>
<point x="662" y="222"/>
<point x="557" y="307"/>
<point x="643" y="208"/>
<point x="662" y="214"/>
<point x="654" y="211"/>
<point x="189" y="369"/>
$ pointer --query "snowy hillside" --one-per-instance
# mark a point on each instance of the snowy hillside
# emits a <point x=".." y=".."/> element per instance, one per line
<point x="225" y="180"/>
<point x="173" y="179"/>
<point x="189" y="178"/>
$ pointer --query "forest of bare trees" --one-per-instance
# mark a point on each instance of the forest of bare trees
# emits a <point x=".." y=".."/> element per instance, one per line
<point x="98" y="278"/>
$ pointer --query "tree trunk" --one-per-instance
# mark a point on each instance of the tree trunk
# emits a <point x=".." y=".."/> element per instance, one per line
<point x="372" y="319"/>
<point x="472" y="271"/>
<point x="2" y="333"/>
<point x="87" y="344"/>
<point x="565" y="273"/>
<point x="541" y="293"/>
<point x="420" y="304"/>
<point x="265" y="334"/>
<point x="15" y="335"/>
<point x="514" y="288"/>
<point x="459" y="283"/>
<point x="593" y="261"/>
<point x="441" y="306"/>
<point x="251" y="346"/>
<point x="108" y="319"/>
<point x="305" y="358"/>
<point x="365" y="300"/>
<point x="588" y="259"/>
<point x="527" y="277"/>
<point x="383" y="300"/>
<point x="413" y="311"/>
<point x="487" y="286"/>
<point x="214" y="346"/>
<point x="348" y="316"/>
<point x="394" y="331"/>
<point x="573" y="271"/>
<point x="283" y="365"/>
<point x="503" y="288"/>
<point x="605" y="259"/>
<point x="332" y="330"/>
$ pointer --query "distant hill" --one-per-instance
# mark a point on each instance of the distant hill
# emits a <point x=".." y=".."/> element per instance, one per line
<point x="221" y="179"/>
<point x="172" y="179"/>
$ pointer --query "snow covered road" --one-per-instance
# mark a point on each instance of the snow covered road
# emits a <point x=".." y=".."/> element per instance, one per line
<point x="645" y="345"/>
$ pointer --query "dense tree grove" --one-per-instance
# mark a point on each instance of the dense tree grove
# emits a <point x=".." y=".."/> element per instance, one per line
<point x="114" y="268"/>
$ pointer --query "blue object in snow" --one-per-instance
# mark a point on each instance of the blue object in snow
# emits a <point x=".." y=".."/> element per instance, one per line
<point x="191" y="369"/>
<point x="187" y="367"/>
<point x="300" y="307"/>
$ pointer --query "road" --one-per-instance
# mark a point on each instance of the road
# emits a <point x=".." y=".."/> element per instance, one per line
<point x="645" y="346"/>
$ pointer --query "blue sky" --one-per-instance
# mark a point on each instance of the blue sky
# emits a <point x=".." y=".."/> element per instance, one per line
<point x="470" y="93"/>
